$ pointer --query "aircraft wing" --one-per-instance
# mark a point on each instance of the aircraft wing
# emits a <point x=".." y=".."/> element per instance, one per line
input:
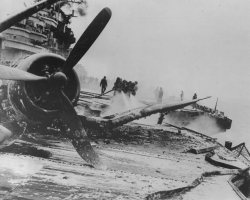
<point x="118" y="119"/>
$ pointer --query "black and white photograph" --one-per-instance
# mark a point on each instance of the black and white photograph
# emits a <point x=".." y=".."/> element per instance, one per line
<point x="124" y="100"/>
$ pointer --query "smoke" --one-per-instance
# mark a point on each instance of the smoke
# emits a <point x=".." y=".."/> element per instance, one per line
<point x="121" y="103"/>
<point x="77" y="7"/>
<point x="203" y="124"/>
<point x="81" y="11"/>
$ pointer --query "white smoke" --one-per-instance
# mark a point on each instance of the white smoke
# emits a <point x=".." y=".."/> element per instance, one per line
<point x="205" y="124"/>
<point x="121" y="102"/>
<point x="78" y="7"/>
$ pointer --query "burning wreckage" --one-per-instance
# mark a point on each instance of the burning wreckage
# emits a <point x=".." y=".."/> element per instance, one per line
<point x="117" y="159"/>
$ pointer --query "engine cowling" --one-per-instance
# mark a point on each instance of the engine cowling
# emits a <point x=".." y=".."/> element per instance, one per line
<point x="35" y="101"/>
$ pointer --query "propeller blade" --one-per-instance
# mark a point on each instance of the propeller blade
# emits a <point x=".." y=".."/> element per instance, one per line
<point x="77" y="134"/>
<point x="87" y="39"/>
<point x="5" y="24"/>
<point x="10" y="73"/>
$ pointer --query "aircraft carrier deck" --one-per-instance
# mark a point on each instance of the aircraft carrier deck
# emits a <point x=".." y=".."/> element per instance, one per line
<point x="138" y="162"/>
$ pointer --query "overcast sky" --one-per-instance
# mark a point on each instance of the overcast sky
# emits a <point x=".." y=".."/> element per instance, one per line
<point x="190" y="45"/>
<point x="194" y="45"/>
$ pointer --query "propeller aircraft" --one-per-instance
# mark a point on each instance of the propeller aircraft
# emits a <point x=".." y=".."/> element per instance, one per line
<point x="28" y="88"/>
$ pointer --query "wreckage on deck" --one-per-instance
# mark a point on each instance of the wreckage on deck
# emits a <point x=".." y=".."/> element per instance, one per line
<point x="186" y="116"/>
<point x="137" y="162"/>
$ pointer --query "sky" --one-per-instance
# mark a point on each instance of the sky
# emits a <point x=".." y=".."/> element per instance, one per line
<point x="191" y="45"/>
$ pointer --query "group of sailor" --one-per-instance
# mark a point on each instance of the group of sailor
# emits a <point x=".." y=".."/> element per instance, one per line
<point x="128" y="87"/>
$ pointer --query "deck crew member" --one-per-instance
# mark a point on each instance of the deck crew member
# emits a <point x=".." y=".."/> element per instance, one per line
<point x="182" y="95"/>
<point x="103" y="84"/>
<point x="195" y="96"/>
<point x="125" y="86"/>
<point x="135" y="88"/>
<point x="117" y="85"/>
<point x="160" y="95"/>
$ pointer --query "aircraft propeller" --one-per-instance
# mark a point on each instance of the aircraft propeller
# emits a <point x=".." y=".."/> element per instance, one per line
<point x="77" y="133"/>
<point x="68" y="115"/>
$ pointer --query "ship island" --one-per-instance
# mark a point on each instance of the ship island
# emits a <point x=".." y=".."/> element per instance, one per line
<point x="139" y="161"/>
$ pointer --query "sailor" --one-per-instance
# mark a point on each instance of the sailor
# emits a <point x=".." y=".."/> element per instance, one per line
<point x="182" y="95"/>
<point x="103" y="84"/>
<point x="160" y="95"/>
<point x="195" y="96"/>
<point x="117" y="85"/>
<point x="135" y="88"/>
<point x="195" y="104"/>
<point x="125" y="86"/>
<point x="130" y="88"/>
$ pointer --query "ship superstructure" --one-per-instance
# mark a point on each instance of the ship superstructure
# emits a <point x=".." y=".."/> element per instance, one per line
<point x="45" y="31"/>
